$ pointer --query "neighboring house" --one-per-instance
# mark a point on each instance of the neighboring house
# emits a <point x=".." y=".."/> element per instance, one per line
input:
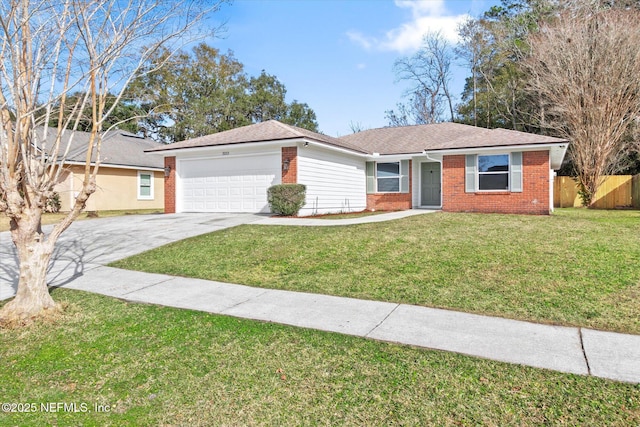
<point x="447" y="166"/>
<point x="128" y="178"/>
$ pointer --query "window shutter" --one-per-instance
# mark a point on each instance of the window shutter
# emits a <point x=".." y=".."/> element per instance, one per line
<point x="516" y="172"/>
<point x="371" y="178"/>
<point x="404" y="176"/>
<point x="470" y="173"/>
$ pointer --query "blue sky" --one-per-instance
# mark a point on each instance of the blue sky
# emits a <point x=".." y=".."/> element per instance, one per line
<point x="338" y="55"/>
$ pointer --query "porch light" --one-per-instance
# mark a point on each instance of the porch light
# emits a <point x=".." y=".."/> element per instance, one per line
<point x="167" y="171"/>
<point x="285" y="164"/>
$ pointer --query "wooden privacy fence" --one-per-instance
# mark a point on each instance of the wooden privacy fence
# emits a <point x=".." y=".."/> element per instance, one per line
<point x="617" y="191"/>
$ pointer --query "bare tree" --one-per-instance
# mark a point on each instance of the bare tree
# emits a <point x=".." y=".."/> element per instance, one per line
<point x="585" y="66"/>
<point x="429" y="72"/>
<point x="469" y="49"/>
<point x="356" y="127"/>
<point x="50" y="49"/>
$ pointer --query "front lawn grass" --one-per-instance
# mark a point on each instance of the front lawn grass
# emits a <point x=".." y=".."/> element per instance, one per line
<point x="153" y="365"/>
<point x="578" y="267"/>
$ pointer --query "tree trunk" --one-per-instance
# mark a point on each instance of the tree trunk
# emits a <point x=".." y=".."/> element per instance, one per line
<point x="34" y="254"/>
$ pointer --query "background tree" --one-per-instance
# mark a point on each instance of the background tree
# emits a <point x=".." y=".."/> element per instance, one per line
<point x="194" y="94"/>
<point x="301" y="115"/>
<point x="266" y="101"/>
<point x="356" y="127"/>
<point x="124" y="115"/>
<point x="48" y="51"/>
<point x="585" y="66"/>
<point x="470" y="49"/>
<point x="494" y="46"/>
<point x="429" y="73"/>
<point x="204" y="91"/>
<point x="265" y="95"/>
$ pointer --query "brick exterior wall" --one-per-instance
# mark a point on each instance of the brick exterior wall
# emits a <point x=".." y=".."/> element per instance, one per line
<point x="170" y="186"/>
<point x="291" y="154"/>
<point x="392" y="201"/>
<point x="534" y="198"/>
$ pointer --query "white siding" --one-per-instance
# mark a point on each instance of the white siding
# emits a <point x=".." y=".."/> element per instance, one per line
<point x="335" y="182"/>
<point x="415" y="184"/>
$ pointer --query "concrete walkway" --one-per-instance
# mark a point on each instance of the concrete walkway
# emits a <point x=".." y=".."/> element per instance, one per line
<point x="566" y="349"/>
<point x="327" y="222"/>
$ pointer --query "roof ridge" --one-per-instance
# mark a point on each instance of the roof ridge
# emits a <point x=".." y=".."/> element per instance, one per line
<point x="309" y="134"/>
<point x="403" y="127"/>
<point x="287" y="127"/>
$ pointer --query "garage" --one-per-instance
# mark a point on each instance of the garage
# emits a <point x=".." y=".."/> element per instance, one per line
<point x="227" y="184"/>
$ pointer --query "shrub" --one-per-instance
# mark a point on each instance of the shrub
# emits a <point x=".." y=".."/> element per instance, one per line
<point x="53" y="204"/>
<point x="286" y="199"/>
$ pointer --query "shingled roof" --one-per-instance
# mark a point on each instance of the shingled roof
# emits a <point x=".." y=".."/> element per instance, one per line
<point x="388" y="140"/>
<point x="118" y="148"/>
<point x="440" y="136"/>
<point x="271" y="130"/>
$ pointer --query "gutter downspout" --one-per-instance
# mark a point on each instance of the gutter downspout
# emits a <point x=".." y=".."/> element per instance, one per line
<point x="430" y="158"/>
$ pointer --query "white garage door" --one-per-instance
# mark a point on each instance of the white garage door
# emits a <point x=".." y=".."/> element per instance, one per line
<point x="232" y="184"/>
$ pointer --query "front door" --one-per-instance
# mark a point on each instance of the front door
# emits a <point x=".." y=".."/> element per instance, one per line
<point x="430" y="184"/>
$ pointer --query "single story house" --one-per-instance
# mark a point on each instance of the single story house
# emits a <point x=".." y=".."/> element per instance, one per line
<point x="446" y="166"/>
<point x="128" y="178"/>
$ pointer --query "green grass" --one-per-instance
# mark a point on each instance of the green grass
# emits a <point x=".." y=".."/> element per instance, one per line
<point x="578" y="267"/>
<point x="163" y="366"/>
<point x="53" y="218"/>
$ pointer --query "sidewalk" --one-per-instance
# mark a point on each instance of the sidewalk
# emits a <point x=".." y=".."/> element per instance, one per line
<point x="572" y="350"/>
<point x="87" y="247"/>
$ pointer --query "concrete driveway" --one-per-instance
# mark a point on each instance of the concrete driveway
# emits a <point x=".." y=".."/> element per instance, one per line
<point x="91" y="243"/>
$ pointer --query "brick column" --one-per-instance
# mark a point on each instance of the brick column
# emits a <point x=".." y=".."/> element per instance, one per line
<point x="170" y="186"/>
<point x="290" y="154"/>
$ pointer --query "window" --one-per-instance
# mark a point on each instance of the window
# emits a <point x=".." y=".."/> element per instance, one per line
<point x="388" y="177"/>
<point x="493" y="172"/>
<point x="501" y="172"/>
<point x="145" y="185"/>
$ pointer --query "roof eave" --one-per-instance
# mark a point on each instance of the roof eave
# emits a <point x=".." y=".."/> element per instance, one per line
<point x="516" y="147"/>
<point x="170" y="147"/>
<point x="115" y="165"/>
<point x="393" y="156"/>
<point x="253" y="143"/>
<point x="557" y="150"/>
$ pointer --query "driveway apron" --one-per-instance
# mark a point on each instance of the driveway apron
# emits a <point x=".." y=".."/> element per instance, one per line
<point x="90" y="243"/>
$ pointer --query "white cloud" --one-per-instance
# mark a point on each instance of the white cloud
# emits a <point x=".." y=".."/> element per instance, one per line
<point x="409" y="36"/>
<point x="426" y="16"/>
<point x="361" y="66"/>
<point x="419" y="8"/>
<point x="361" y="39"/>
